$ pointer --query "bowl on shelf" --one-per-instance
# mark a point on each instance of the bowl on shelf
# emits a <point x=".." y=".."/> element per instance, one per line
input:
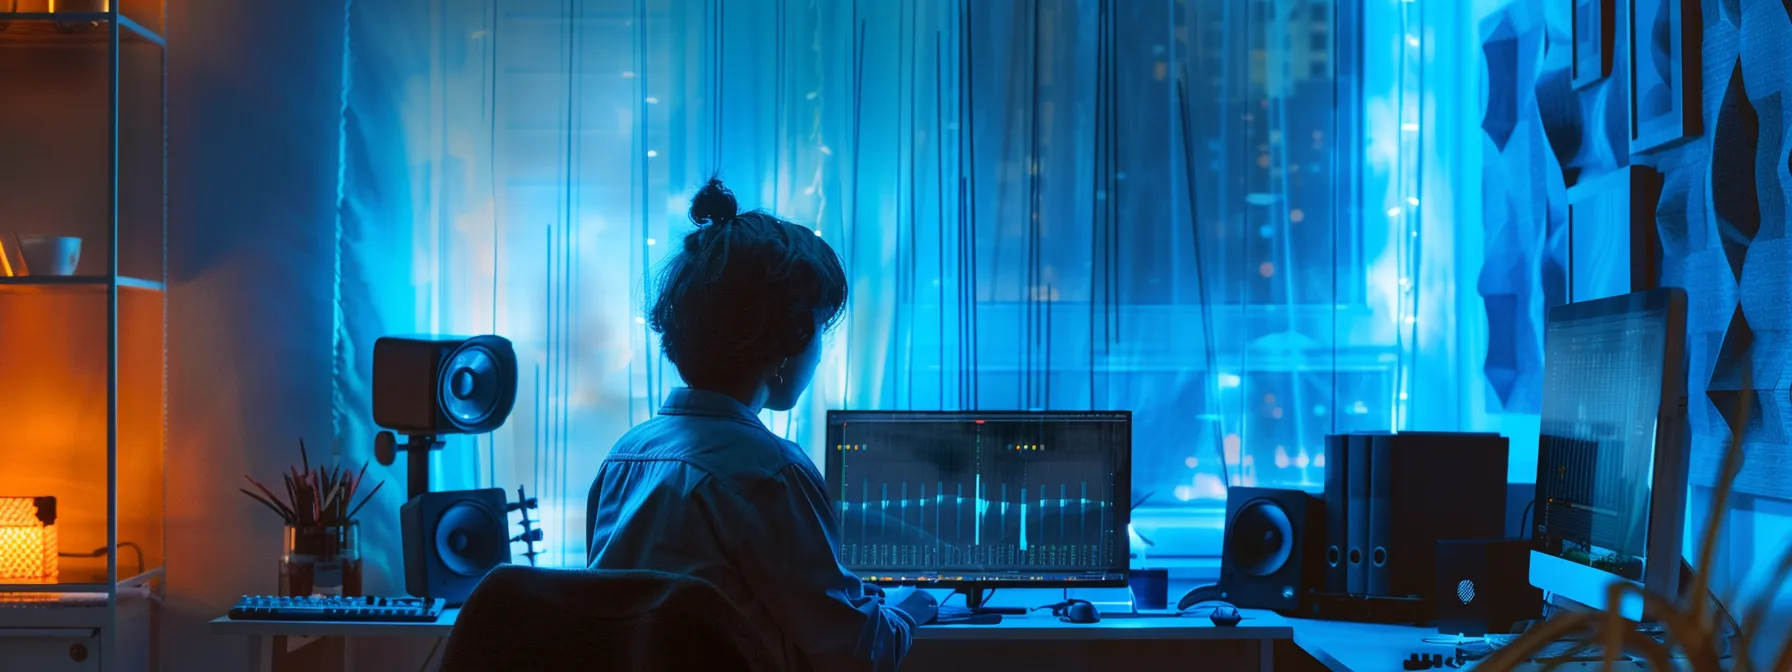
<point x="49" y="255"/>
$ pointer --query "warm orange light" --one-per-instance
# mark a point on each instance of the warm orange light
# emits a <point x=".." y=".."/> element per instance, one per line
<point x="105" y="6"/>
<point x="28" y="539"/>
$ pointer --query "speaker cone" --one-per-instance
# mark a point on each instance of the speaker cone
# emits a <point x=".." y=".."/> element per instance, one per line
<point x="476" y="385"/>
<point x="469" y="539"/>
<point x="1260" y="538"/>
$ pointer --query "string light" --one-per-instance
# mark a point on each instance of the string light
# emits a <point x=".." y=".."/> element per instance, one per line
<point x="1407" y="183"/>
<point x="651" y="241"/>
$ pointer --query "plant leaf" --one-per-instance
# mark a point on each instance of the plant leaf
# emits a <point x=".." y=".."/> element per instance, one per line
<point x="1732" y="465"/>
<point x="1528" y="645"/>
<point x="271" y="498"/>
<point x="370" y="493"/>
<point x="1694" y="638"/>
<point x="266" y="503"/>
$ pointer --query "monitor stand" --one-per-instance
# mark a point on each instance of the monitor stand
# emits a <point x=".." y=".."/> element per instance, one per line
<point x="973" y="600"/>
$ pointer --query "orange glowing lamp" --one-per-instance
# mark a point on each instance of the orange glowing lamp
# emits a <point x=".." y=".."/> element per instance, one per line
<point x="28" y="540"/>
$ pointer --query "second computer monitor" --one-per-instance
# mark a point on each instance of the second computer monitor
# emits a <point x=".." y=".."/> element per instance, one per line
<point x="1612" y="459"/>
<point x="984" y="498"/>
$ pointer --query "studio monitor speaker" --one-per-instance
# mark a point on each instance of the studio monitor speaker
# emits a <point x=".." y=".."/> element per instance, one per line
<point x="451" y="539"/>
<point x="1272" y="548"/>
<point x="433" y="385"/>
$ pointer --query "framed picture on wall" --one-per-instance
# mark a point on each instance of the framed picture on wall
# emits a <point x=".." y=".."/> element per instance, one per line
<point x="1664" y="72"/>
<point x="1613" y="247"/>
<point x="1595" y="31"/>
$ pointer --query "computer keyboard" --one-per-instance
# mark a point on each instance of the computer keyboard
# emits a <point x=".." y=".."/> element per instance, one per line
<point x="323" y="608"/>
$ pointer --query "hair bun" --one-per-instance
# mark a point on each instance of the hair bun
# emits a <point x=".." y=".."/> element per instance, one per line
<point x="713" y="203"/>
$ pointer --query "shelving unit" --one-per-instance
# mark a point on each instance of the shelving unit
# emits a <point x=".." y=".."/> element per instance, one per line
<point x="83" y="358"/>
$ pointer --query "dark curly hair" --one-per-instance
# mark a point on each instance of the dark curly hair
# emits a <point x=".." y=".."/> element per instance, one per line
<point x="747" y="291"/>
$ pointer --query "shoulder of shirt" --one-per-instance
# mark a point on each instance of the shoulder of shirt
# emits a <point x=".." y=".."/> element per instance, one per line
<point x="733" y="452"/>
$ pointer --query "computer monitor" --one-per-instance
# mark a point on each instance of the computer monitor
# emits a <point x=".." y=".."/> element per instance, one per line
<point x="982" y="499"/>
<point x="1612" y="454"/>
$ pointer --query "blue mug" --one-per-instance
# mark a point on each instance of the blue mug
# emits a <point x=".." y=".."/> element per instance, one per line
<point x="1150" y="588"/>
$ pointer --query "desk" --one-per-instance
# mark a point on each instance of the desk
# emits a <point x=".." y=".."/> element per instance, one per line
<point x="1035" y="642"/>
<point x="261" y="634"/>
<point x="1149" y="641"/>
<point x="1344" y="646"/>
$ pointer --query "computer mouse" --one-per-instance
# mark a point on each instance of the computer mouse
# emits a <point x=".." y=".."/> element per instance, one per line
<point x="1223" y="614"/>
<point x="1081" y="611"/>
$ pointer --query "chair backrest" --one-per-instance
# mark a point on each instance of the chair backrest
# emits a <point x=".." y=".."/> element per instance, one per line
<point x="524" y="618"/>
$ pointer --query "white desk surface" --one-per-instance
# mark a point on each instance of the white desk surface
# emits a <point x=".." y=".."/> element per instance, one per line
<point x="227" y="626"/>
<point x="1344" y="646"/>
<point x="1258" y="625"/>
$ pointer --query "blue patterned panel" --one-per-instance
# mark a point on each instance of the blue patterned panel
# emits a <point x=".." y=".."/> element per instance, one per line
<point x="1501" y="50"/>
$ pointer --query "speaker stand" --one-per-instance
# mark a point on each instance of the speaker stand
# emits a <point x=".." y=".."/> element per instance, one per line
<point x="418" y="447"/>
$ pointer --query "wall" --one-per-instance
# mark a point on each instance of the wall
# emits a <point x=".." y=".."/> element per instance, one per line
<point x="1721" y="224"/>
<point x="253" y="101"/>
<point x="1705" y="212"/>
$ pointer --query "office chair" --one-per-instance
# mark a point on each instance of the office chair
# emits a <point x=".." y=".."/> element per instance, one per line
<point x="524" y="618"/>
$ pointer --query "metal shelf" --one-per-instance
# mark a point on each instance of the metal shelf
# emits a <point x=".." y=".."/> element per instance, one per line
<point x="78" y="283"/>
<point x="93" y="347"/>
<point x="37" y="28"/>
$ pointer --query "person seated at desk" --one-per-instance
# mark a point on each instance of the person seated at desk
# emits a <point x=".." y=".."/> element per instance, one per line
<point x="704" y="489"/>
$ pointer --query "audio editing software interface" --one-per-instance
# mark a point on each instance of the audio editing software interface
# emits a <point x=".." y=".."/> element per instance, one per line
<point x="991" y="497"/>
<point x="1602" y="389"/>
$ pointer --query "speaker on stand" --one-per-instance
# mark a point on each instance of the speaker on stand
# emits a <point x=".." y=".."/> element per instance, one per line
<point x="425" y="387"/>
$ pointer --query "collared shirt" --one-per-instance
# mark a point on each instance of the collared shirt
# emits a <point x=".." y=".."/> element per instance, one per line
<point x="706" y="490"/>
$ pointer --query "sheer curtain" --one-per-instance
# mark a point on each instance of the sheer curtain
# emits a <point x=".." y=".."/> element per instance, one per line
<point x="1176" y="207"/>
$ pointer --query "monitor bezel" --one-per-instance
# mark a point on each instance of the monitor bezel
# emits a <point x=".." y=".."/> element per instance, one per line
<point x="1587" y="585"/>
<point x="1122" y="494"/>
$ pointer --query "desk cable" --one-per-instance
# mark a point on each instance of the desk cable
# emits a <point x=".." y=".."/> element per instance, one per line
<point x="432" y="655"/>
<point x="104" y="550"/>
<point x="987" y="595"/>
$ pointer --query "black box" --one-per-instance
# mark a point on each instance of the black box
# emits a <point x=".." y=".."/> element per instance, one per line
<point x="1426" y="487"/>
<point x="1484" y="586"/>
<point x="1396" y="496"/>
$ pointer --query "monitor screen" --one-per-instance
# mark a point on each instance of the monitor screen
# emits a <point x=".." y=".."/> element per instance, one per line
<point x="982" y="498"/>
<point x="1606" y="366"/>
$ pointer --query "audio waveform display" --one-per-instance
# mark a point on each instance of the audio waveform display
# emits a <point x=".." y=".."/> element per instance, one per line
<point x="985" y="497"/>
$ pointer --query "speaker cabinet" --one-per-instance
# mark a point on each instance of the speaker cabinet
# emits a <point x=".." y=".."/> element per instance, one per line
<point x="451" y="539"/>
<point x="1272" y="548"/>
<point x="433" y="385"/>
<point x="1483" y="586"/>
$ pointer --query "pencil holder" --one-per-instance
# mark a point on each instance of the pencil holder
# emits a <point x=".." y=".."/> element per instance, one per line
<point x="321" y="560"/>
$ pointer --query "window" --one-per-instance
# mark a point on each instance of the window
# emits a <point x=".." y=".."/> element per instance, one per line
<point x="1153" y="210"/>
